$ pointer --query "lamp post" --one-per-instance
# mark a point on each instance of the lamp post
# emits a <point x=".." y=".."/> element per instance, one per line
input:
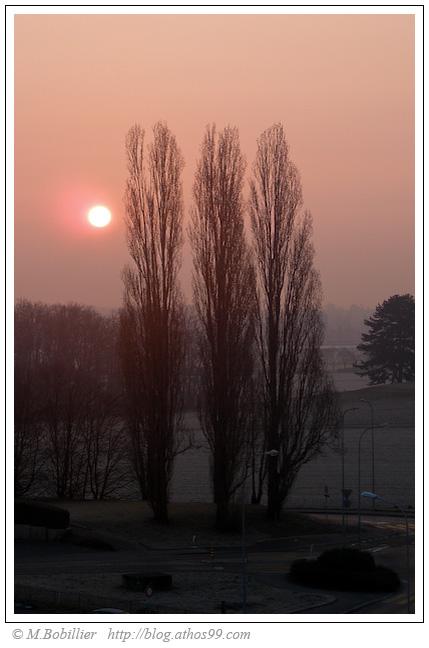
<point x="374" y="497"/>
<point x="350" y="409"/>
<point x="371" y="406"/>
<point x="243" y="546"/>
<point x="383" y="425"/>
<point x="270" y="453"/>
<point x="273" y="453"/>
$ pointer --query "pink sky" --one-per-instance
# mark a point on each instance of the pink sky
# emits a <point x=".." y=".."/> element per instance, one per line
<point x="343" y="86"/>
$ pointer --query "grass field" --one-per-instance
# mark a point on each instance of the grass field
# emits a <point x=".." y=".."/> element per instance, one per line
<point x="394" y="454"/>
<point x="130" y="524"/>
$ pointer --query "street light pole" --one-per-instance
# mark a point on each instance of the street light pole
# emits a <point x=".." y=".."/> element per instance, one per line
<point x="243" y="547"/>
<point x="383" y="425"/>
<point x="270" y="453"/>
<point x="374" y="496"/>
<point x="243" y="559"/>
<point x="407" y="531"/>
<point x="359" y="493"/>
<point x="350" y="409"/>
<point x="371" y="406"/>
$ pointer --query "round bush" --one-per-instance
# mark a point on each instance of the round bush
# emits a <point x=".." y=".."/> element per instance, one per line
<point x="346" y="570"/>
<point x="348" y="559"/>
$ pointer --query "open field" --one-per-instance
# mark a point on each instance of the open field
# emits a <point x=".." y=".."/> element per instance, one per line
<point x="394" y="455"/>
<point x="393" y="404"/>
<point x="130" y="525"/>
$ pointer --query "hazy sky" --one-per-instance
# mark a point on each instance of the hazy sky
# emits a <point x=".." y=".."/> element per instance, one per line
<point x="343" y="86"/>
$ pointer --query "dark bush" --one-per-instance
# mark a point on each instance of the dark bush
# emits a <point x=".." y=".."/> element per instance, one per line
<point x="386" y="579"/>
<point x="344" y="569"/>
<point x="303" y="571"/>
<point x="41" y="515"/>
<point x="347" y="559"/>
<point x="154" y="580"/>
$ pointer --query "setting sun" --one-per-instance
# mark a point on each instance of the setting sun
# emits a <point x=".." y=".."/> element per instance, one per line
<point x="99" y="216"/>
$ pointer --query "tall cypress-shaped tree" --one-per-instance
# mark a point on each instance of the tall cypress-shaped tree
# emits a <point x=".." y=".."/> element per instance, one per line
<point x="152" y="318"/>
<point x="298" y="400"/>
<point x="224" y="300"/>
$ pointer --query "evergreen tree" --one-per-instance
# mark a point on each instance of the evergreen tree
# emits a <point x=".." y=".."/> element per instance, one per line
<point x="388" y="346"/>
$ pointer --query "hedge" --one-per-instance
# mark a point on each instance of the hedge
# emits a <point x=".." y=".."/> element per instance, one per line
<point x="41" y="515"/>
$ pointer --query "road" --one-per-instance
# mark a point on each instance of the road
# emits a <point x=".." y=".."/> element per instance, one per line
<point x="268" y="562"/>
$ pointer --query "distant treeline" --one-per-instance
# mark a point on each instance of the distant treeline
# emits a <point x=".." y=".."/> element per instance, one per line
<point x="344" y="326"/>
<point x="71" y="432"/>
<point x="71" y="436"/>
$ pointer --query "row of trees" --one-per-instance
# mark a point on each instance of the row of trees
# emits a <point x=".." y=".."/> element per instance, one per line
<point x="93" y="393"/>
<point x="262" y="388"/>
<point x="69" y="432"/>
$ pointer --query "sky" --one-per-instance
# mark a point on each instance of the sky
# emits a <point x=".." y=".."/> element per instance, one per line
<point x="342" y="85"/>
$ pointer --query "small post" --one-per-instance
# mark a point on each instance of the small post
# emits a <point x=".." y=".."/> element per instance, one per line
<point x="343" y="452"/>
<point x="326" y="496"/>
<point x="371" y="406"/>
<point x="243" y="555"/>
<point x="408" y="561"/>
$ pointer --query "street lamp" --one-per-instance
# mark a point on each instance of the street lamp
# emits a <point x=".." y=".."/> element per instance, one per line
<point x="383" y="425"/>
<point x="270" y="453"/>
<point x="243" y="545"/>
<point x="371" y="406"/>
<point x="350" y="409"/>
<point x="273" y="453"/>
<point x="374" y="497"/>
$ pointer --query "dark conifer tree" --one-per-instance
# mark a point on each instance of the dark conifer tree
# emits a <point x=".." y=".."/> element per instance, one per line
<point x="388" y="346"/>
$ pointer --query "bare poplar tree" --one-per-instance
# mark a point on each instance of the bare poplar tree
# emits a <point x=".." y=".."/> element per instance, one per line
<point x="299" y="405"/>
<point x="153" y="306"/>
<point x="224" y="299"/>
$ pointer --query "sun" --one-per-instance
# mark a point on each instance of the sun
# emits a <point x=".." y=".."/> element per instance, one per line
<point x="99" y="216"/>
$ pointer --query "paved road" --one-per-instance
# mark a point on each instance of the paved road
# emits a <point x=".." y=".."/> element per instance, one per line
<point x="268" y="561"/>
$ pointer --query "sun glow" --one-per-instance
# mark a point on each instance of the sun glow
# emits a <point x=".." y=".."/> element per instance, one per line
<point x="99" y="216"/>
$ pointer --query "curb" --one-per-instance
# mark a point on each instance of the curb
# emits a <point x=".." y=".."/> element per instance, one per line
<point x="361" y="606"/>
<point x="314" y="605"/>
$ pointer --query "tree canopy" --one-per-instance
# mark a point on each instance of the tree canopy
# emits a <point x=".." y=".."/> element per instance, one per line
<point x="388" y="346"/>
